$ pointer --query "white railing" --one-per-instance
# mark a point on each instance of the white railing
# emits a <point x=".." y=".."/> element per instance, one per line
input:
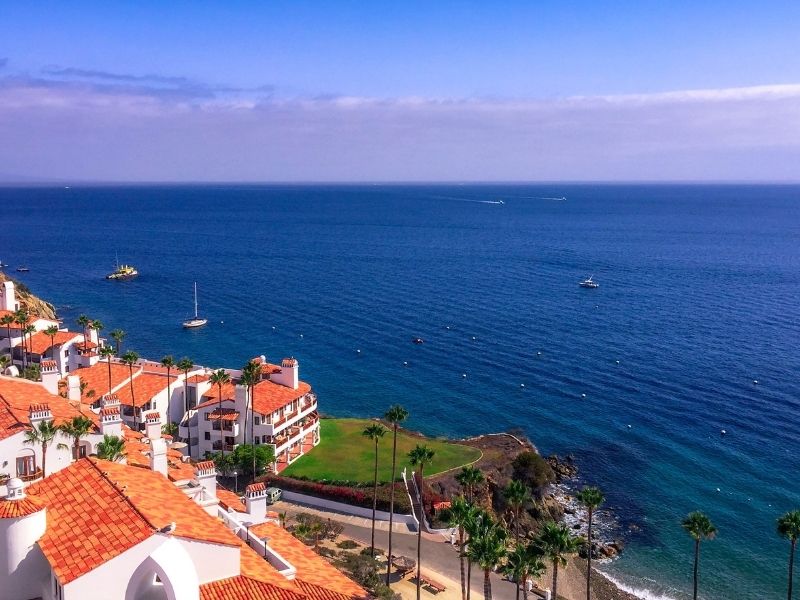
<point x="283" y="566"/>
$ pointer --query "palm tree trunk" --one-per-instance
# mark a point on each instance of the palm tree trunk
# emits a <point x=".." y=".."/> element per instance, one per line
<point x="169" y="397"/>
<point x="469" y="579"/>
<point x="461" y="562"/>
<point x="419" y="529"/>
<point x="44" y="460"/>
<point x="252" y="429"/>
<point x="109" y="374"/>
<point x="186" y="396"/>
<point x="516" y="525"/>
<point x="791" y="566"/>
<point x="555" y="580"/>
<point x="525" y="587"/>
<point x="133" y="400"/>
<point x="589" y="559"/>
<point x="696" y="565"/>
<point x="391" y="504"/>
<point x="374" y="498"/>
<point x="517" y="592"/>
<point x="487" y="585"/>
<point x="221" y="434"/>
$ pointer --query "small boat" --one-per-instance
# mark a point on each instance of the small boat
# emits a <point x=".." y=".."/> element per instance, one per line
<point x="2" y="264"/>
<point x="23" y="269"/>
<point x="122" y="272"/>
<point x="589" y="283"/>
<point x="418" y="340"/>
<point x="197" y="321"/>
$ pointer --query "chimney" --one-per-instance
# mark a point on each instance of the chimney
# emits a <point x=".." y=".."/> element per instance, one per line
<point x="289" y="375"/>
<point x="93" y="335"/>
<point x="152" y="425"/>
<point x="255" y="501"/>
<point x="38" y="413"/>
<point x="240" y="399"/>
<point x="50" y="376"/>
<point x="111" y="416"/>
<point x="8" y="300"/>
<point x="207" y="477"/>
<point x="74" y="388"/>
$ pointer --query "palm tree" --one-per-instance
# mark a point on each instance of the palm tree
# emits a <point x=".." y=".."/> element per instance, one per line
<point x="460" y="514"/>
<point x="111" y="448"/>
<point x="469" y="477"/>
<point x="168" y="362"/>
<point x="76" y="428"/>
<point x="419" y="457"/>
<point x="487" y="548"/>
<point x="700" y="527"/>
<point x="28" y="331"/>
<point x="789" y="528"/>
<point x="118" y="335"/>
<point x="130" y="358"/>
<point x="21" y="319"/>
<point x="84" y="321"/>
<point x="184" y="366"/>
<point x="219" y="378"/>
<point x="107" y="352"/>
<point x="43" y="434"/>
<point x="251" y="375"/>
<point x="52" y="331"/>
<point x="8" y="321"/>
<point x="90" y="394"/>
<point x="557" y="543"/>
<point x="591" y="498"/>
<point x="516" y="494"/>
<point x="395" y="415"/>
<point x="374" y="432"/>
<point x="521" y="563"/>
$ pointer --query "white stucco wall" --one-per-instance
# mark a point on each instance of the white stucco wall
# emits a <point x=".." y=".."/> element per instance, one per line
<point x="347" y="509"/>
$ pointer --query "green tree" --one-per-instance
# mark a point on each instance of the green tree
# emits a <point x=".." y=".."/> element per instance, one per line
<point x="487" y="548"/>
<point x="184" y="366"/>
<point x="76" y="428"/>
<point x="107" y="352"/>
<point x="789" y="529"/>
<point x="52" y="331"/>
<point x="42" y="434"/>
<point x="252" y="459"/>
<point x="469" y="477"/>
<point x="419" y="457"/>
<point x="374" y="432"/>
<point x="219" y="378"/>
<point x="21" y="319"/>
<point x="699" y="527"/>
<point x="524" y="562"/>
<point x="516" y="494"/>
<point x="112" y="448"/>
<point x="395" y="415"/>
<point x="118" y="335"/>
<point x="251" y="375"/>
<point x="8" y="321"/>
<point x="84" y="321"/>
<point x="591" y="498"/>
<point x="557" y="543"/>
<point x="459" y="515"/>
<point x="168" y="362"/>
<point x="130" y="358"/>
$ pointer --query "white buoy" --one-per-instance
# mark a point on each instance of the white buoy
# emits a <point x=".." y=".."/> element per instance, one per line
<point x="473" y="338"/>
<point x="448" y="327"/>
<point x="538" y="354"/>
<point x="521" y="385"/>
<point x="583" y="395"/>
<point x="358" y="351"/>
<point x="463" y="374"/>
<point x="222" y="321"/>
<point x="723" y="432"/>
<point x="755" y="381"/>
<point x="718" y="489"/>
<point x="273" y="327"/>
<point x="617" y="362"/>
<point x="630" y="426"/>
<point x="405" y="363"/>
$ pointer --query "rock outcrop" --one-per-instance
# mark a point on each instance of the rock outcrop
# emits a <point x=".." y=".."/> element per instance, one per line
<point x="34" y="305"/>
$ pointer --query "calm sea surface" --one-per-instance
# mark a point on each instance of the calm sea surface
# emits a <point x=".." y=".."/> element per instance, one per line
<point x="699" y="297"/>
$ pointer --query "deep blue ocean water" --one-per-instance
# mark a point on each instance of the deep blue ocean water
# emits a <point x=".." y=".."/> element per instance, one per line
<point x="699" y="297"/>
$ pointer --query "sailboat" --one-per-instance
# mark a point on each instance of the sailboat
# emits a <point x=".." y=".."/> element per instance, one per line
<point x="197" y="321"/>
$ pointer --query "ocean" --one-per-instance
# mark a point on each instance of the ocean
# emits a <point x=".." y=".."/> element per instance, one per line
<point x="698" y="299"/>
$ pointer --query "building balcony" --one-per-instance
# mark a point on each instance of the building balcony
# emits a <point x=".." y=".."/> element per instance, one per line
<point x="217" y="446"/>
<point x="37" y="474"/>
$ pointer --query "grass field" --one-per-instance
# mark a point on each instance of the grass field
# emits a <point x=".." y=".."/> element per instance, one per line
<point x="345" y="454"/>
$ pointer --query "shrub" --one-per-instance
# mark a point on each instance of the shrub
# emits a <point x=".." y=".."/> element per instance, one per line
<point x="329" y="552"/>
<point x="534" y="470"/>
<point x="340" y="493"/>
<point x="347" y="545"/>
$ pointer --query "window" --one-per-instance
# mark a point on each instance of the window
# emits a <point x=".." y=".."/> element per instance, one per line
<point x="81" y="452"/>
<point x="207" y="435"/>
<point x="257" y="420"/>
<point x="264" y="439"/>
<point x="26" y="465"/>
<point x="207" y="416"/>
<point x="258" y="440"/>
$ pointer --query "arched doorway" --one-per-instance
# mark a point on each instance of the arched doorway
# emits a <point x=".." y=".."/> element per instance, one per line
<point x="167" y="574"/>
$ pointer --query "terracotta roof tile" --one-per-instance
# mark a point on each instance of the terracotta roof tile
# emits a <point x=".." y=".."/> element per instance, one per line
<point x="312" y="569"/>
<point x="11" y="509"/>
<point x="40" y="342"/>
<point x="244" y="588"/>
<point x="96" y="376"/>
<point x="227" y="499"/>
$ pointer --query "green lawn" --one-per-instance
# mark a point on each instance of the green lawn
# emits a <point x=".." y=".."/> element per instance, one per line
<point x="345" y="454"/>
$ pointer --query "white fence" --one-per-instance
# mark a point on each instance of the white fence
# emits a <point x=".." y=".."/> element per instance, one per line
<point x="348" y="509"/>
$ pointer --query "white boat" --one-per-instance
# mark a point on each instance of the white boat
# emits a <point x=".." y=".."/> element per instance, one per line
<point x="197" y="321"/>
<point x="589" y="283"/>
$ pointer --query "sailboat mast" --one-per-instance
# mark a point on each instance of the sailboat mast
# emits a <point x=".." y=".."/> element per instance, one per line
<point x="195" y="299"/>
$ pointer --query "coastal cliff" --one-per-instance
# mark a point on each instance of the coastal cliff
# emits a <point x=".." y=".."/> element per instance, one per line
<point x="34" y="305"/>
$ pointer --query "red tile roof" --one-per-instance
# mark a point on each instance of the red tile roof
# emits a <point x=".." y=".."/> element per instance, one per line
<point x="145" y="387"/>
<point x="17" y="396"/>
<point x="315" y="576"/>
<point x="225" y="414"/>
<point x="11" y="509"/>
<point x="96" y="376"/>
<point x="40" y="342"/>
<point x="228" y="499"/>
<point x="244" y="588"/>
<point x="267" y="397"/>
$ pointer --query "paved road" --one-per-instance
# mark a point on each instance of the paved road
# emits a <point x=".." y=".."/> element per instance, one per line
<point x="437" y="553"/>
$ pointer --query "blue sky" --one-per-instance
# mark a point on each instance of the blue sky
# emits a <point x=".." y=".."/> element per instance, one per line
<point x="445" y="90"/>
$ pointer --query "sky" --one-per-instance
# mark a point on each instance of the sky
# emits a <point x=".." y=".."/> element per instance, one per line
<point x="400" y="91"/>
